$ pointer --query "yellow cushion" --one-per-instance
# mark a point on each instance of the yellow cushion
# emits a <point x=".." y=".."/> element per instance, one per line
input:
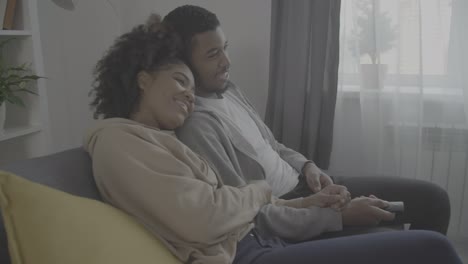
<point x="47" y="226"/>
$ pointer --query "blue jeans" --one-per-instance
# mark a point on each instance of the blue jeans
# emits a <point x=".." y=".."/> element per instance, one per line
<point x="388" y="247"/>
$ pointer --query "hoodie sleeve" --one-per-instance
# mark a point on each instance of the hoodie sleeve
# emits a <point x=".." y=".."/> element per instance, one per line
<point x="148" y="181"/>
<point x="292" y="157"/>
<point x="296" y="224"/>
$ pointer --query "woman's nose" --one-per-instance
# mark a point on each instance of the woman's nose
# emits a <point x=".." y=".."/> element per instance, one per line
<point x="190" y="95"/>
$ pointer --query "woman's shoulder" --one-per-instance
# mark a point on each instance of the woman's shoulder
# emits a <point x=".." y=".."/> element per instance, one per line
<point x="122" y="132"/>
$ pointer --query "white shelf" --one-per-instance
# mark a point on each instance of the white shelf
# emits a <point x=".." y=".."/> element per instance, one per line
<point x="28" y="134"/>
<point x="15" y="33"/>
<point x="10" y="133"/>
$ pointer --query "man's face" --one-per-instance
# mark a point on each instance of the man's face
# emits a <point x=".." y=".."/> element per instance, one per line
<point x="210" y="62"/>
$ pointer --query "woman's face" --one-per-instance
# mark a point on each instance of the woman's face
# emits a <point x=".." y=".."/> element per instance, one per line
<point x="167" y="97"/>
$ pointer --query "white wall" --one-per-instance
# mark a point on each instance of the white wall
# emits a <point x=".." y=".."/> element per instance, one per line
<point x="247" y="26"/>
<point x="72" y="42"/>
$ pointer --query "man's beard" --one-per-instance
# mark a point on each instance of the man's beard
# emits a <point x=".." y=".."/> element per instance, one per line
<point x="225" y="87"/>
<point x="218" y="91"/>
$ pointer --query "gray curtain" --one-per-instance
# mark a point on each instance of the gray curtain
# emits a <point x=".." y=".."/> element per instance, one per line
<point x="303" y="75"/>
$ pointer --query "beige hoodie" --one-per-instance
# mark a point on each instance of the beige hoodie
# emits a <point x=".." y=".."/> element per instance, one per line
<point x="151" y="175"/>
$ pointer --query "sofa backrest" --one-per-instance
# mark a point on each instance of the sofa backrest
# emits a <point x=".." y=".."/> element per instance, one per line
<point x="69" y="171"/>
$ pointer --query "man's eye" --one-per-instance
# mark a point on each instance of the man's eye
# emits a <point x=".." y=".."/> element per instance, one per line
<point x="214" y="54"/>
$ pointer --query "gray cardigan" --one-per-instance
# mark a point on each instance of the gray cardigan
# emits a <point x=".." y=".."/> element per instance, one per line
<point x="229" y="153"/>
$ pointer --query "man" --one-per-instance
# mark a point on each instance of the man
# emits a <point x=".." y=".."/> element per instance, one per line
<point x="227" y="131"/>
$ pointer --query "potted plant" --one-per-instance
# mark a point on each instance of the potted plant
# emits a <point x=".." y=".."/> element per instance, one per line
<point x="373" y="35"/>
<point x="13" y="80"/>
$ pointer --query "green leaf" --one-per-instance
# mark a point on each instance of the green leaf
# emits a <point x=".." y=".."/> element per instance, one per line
<point x="4" y="42"/>
<point x="31" y="77"/>
<point x="15" y="79"/>
<point x="27" y="91"/>
<point x="15" y="83"/>
<point x="20" y="69"/>
<point x="15" y="100"/>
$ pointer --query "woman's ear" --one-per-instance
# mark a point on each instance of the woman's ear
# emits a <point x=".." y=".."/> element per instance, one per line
<point x="144" y="80"/>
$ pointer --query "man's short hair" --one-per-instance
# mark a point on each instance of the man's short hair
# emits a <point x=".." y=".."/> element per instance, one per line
<point x="189" y="20"/>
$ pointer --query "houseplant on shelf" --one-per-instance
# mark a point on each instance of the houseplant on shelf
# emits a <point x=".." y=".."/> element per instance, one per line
<point x="13" y="80"/>
<point x="373" y="35"/>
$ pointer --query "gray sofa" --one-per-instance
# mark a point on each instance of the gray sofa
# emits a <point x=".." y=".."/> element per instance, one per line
<point x="69" y="171"/>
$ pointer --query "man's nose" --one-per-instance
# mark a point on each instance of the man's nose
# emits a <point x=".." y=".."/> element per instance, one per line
<point x="225" y="61"/>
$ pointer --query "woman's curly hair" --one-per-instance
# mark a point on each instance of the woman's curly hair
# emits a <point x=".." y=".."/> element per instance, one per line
<point x="147" y="47"/>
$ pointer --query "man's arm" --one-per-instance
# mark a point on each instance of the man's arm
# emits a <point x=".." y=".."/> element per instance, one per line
<point x="293" y="158"/>
<point x="204" y="135"/>
<point x="315" y="177"/>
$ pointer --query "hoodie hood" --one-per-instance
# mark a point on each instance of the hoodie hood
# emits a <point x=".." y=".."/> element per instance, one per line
<point x="92" y="133"/>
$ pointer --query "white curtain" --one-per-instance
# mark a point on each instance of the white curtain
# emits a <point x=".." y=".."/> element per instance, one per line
<point x="403" y="95"/>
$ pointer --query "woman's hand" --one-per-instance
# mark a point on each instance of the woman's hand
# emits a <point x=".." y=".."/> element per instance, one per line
<point x="334" y="196"/>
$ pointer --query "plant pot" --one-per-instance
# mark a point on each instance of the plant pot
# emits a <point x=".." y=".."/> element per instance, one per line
<point x="373" y="76"/>
<point x="2" y="117"/>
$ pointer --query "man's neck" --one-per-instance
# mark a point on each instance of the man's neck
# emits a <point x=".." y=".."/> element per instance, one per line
<point x="210" y="95"/>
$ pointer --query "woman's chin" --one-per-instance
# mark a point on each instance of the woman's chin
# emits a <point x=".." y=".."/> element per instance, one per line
<point x="176" y="123"/>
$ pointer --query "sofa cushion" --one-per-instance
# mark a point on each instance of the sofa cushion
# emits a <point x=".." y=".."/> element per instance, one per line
<point x="69" y="171"/>
<point x="45" y="225"/>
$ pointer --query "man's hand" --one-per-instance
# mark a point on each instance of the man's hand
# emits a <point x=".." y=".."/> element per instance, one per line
<point x="316" y="179"/>
<point x="366" y="211"/>
<point x="334" y="196"/>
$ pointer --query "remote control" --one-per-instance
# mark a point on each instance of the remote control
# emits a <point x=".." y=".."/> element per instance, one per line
<point x="395" y="207"/>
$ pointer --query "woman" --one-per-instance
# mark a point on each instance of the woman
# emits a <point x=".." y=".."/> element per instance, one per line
<point x="144" y="91"/>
